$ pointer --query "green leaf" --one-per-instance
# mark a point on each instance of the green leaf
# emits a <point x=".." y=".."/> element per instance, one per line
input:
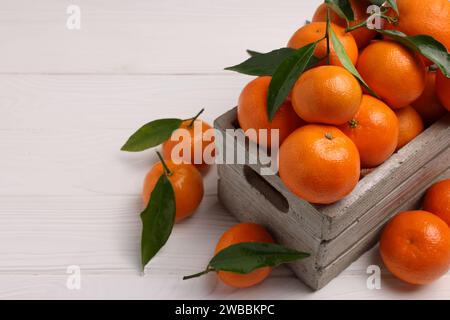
<point x="378" y="2"/>
<point x="246" y="257"/>
<point x="343" y="8"/>
<point x="393" y="5"/>
<point x="252" y="53"/>
<point x="157" y="219"/>
<point x="286" y="75"/>
<point x="345" y="60"/>
<point x="151" y="134"/>
<point x="263" y="64"/>
<point x="426" y="46"/>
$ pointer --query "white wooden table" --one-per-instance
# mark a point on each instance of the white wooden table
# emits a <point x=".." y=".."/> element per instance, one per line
<point x="70" y="98"/>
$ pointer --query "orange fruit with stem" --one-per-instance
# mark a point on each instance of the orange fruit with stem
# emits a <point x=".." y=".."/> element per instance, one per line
<point x="415" y="247"/>
<point x="437" y="200"/>
<point x="187" y="184"/>
<point x="317" y="30"/>
<point x="319" y="164"/>
<point x="244" y="232"/>
<point x="411" y="125"/>
<point x="327" y="94"/>
<point x="374" y="130"/>
<point x="424" y="17"/>
<point x="199" y="144"/>
<point x="252" y="113"/>
<point x="443" y="89"/>
<point x="395" y="73"/>
<point x="428" y="105"/>
<point x="362" y="35"/>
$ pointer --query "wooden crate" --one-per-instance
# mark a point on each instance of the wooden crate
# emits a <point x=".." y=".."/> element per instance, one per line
<point x="336" y="234"/>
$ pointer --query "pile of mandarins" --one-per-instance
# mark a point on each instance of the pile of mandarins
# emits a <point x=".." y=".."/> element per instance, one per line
<point x="331" y="127"/>
<point x="341" y="115"/>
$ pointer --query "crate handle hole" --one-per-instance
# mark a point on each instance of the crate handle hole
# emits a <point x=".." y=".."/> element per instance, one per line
<point x="268" y="191"/>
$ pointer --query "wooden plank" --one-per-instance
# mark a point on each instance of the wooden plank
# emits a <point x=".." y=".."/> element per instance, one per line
<point x="95" y="102"/>
<point x="171" y="36"/>
<point x="66" y="131"/>
<point x="101" y="234"/>
<point x="350" y="285"/>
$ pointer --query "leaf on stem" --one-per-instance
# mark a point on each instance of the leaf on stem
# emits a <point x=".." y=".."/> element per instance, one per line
<point x="151" y="135"/>
<point x="253" y="53"/>
<point x="343" y="8"/>
<point x="286" y="75"/>
<point x="157" y="219"/>
<point x="393" y="5"/>
<point x="345" y="60"/>
<point x="246" y="257"/>
<point x="378" y="2"/>
<point x="262" y="64"/>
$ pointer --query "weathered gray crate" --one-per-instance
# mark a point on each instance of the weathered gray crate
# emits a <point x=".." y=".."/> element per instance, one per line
<point x="336" y="234"/>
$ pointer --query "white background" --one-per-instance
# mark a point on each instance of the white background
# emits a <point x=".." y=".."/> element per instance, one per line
<point x="68" y="101"/>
